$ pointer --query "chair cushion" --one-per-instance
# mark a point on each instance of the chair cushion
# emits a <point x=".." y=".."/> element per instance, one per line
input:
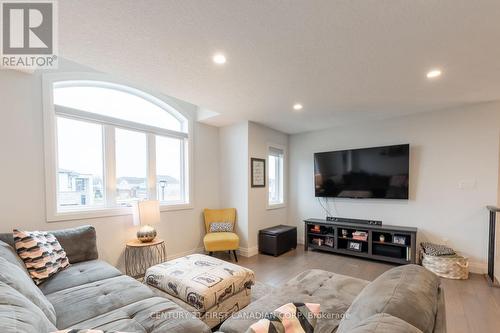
<point x="18" y="314"/>
<point x="221" y="241"/>
<point x="16" y="278"/>
<point x="90" y="300"/>
<point x="408" y="292"/>
<point x="41" y="252"/>
<point x="78" y="274"/>
<point x="152" y="315"/>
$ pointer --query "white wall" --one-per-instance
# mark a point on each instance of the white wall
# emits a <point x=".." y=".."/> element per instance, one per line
<point x="239" y="143"/>
<point x="233" y="146"/>
<point x="22" y="198"/>
<point x="259" y="216"/>
<point x="447" y="148"/>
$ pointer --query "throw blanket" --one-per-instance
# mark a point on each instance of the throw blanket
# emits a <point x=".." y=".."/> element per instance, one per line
<point x="200" y="280"/>
<point x="432" y="249"/>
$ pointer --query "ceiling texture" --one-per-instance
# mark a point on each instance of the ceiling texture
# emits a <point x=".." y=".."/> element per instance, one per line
<point x="346" y="61"/>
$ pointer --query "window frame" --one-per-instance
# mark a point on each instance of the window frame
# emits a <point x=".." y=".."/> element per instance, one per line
<point x="50" y="114"/>
<point x="278" y="205"/>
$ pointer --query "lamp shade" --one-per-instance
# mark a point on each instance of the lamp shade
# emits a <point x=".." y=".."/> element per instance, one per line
<point x="146" y="212"/>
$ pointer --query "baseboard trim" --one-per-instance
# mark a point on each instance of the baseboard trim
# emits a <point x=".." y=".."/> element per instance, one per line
<point x="478" y="267"/>
<point x="185" y="253"/>
<point x="248" y="251"/>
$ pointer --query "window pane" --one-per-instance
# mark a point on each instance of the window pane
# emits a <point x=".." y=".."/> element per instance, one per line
<point x="273" y="179"/>
<point x="131" y="166"/>
<point x="117" y="104"/>
<point x="80" y="165"/>
<point x="275" y="176"/>
<point x="169" y="169"/>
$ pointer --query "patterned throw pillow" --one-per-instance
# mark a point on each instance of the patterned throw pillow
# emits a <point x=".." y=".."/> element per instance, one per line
<point x="289" y="318"/>
<point x="42" y="254"/>
<point x="221" y="227"/>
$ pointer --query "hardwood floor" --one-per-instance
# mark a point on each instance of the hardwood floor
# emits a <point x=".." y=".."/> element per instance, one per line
<point x="471" y="305"/>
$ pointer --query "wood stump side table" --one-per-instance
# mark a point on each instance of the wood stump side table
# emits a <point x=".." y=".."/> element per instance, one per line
<point x="140" y="256"/>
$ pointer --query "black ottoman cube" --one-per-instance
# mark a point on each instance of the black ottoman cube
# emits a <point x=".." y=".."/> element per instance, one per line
<point x="277" y="240"/>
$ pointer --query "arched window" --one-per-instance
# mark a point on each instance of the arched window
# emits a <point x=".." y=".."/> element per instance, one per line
<point x="111" y="145"/>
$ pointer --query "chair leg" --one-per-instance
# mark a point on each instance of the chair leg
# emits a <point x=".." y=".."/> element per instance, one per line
<point x="235" y="256"/>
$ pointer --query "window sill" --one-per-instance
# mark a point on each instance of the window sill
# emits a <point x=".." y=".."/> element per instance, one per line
<point x="275" y="206"/>
<point x="107" y="212"/>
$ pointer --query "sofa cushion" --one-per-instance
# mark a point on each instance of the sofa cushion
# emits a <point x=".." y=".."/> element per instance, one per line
<point x="89" y="300"/>
<point x="383" y="323"/>
<point x="79" y="243"/>
<point x="334" y="292"/>
<point x="78" y="274"/>
<point x="9" y="253"/>
<point x="152" y="315"/>
<point x="18" y="314"/>
<point x="13" y="276"/>
<point x="41" y="252"/>
<point x="408" y="292"/>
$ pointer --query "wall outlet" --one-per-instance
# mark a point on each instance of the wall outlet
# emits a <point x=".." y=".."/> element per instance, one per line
<point x="467" y="184"/>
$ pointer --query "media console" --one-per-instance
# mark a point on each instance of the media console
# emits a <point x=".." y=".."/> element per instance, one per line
<point x="388" y="243"/>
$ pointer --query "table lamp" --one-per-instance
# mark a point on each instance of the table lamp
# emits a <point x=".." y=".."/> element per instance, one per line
<point x="145" y="214"/>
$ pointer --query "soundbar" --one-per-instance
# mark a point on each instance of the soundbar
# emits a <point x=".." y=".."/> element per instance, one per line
<point x="355" y="221"/>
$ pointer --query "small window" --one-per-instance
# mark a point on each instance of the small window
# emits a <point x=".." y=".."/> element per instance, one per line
<point x="276" y="176"/>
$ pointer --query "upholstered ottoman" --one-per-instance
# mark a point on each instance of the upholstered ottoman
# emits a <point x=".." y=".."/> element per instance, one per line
<point x="210" y="288"/>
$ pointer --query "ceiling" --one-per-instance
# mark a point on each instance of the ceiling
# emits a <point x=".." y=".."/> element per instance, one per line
<point x="345" y="61"/>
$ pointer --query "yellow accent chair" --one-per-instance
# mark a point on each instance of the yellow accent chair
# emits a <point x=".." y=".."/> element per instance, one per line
<point x="220" y="241"/>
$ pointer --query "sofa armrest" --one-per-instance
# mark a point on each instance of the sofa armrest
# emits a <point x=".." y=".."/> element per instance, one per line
<point x="79" y="243"/>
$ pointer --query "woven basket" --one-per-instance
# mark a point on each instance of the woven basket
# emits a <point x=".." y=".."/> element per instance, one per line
<point x="450" y="267"/>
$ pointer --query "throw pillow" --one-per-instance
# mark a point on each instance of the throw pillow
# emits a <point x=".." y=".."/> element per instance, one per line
<point x="289" y="318"/>
<point x="221" y="227"/>
<point x="42" y="254"/>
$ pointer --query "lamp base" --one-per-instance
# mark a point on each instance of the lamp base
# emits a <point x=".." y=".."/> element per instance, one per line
<point x="146" y="233"/>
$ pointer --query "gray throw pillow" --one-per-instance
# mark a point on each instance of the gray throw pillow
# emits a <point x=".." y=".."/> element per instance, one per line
<point x="16" y="278"/>
<point x="221" y="227"/>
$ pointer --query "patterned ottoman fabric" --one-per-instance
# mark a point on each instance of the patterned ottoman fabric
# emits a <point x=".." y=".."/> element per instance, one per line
<point x="199" y="280"/>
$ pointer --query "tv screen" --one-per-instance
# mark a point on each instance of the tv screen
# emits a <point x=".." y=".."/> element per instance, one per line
<point x="379" y="173"/>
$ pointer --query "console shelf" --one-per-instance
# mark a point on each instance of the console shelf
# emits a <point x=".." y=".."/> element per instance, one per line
<point x="388" y="250"/>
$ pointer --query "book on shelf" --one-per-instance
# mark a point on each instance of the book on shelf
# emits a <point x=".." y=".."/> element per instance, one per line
<point x="360" y="235"/>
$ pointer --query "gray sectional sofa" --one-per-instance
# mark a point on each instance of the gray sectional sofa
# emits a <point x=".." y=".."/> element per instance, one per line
<point x="88" y="294"/>
<point x="92" y="294"/>
<point x="403" y="299"/>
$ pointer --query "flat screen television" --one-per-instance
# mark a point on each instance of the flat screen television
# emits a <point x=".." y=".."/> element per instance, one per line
<point x="378" y="173"/>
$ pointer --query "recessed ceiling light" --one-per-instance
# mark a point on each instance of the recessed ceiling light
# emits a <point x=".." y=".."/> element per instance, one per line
<point x="434" y="74"/>
<point x="297" y="107"/>
<point x="219" y="58"/>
